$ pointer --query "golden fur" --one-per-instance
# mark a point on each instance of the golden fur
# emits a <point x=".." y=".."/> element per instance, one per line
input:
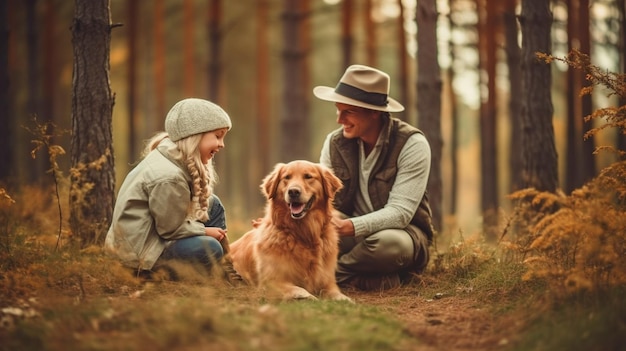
<point x="293" y="250"/>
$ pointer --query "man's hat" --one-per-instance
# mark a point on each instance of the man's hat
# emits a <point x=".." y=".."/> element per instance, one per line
<point x="361" y="86"/>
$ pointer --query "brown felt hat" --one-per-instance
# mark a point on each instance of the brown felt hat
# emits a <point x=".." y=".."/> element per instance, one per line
<point x="361" y="86"/>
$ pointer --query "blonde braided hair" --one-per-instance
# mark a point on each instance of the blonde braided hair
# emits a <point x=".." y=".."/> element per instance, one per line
<point x="203" y="177"/>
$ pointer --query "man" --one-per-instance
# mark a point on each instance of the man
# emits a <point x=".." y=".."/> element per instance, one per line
<point x="385" y="224"/>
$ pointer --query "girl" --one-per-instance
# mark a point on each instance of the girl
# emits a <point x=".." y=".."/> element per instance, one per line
<point x="165" y="207"/>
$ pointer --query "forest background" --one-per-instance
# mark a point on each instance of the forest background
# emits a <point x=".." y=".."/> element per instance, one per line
<point x="498" y="120"/>
<point x="261" y="59"/>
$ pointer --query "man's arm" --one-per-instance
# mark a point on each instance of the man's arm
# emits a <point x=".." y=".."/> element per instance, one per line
<point x="406" y="193"/>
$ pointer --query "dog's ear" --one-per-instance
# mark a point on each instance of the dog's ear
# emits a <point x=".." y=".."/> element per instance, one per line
<point x="330" y="182"/>
<point x="270" y="183"/>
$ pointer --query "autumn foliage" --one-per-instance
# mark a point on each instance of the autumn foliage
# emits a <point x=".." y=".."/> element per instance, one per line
<point x="577" y="242"/>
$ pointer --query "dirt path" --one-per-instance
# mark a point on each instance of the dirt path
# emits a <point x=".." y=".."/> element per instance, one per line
<point x="450" y="323"/>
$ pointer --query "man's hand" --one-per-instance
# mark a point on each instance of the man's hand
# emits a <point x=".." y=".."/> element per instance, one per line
<point x="345" y="227"/>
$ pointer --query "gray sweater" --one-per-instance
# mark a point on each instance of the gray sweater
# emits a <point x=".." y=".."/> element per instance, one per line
<point x="406" y="193"/>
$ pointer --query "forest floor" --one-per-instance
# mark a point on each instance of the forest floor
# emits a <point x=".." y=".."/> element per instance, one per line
<point x="445" y="322"/>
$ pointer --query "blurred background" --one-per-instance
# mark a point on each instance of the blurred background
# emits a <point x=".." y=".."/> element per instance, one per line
<point x="260" y="59"/>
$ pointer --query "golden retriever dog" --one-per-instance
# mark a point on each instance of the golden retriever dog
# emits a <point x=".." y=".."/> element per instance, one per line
<point x="293" y="250"/>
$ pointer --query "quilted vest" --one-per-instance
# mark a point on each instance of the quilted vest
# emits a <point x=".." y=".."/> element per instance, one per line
<point x="344" y="156"/>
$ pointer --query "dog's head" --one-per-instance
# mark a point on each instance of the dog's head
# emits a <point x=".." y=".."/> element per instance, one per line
<point x="302" y="185"/>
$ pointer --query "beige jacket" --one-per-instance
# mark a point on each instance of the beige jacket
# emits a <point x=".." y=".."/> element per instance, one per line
<point x="151" y="209"/>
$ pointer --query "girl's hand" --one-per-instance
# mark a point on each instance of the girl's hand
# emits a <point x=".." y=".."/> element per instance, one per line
<point x="217" y="233"/>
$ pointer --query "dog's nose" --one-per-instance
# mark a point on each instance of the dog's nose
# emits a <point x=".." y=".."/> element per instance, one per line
<point x="293" y="192"/>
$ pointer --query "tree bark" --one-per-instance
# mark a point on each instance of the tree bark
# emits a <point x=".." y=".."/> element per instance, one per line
<point x="215" y="50"/>
<point x="347" y="38"/>
<point x="93" y="171"/>
<point x="131" y="78"/>
<point x="580" y="162"/>
<point x="189" y="44"/>
<point x="295" y="116"/>
<point x="515" y="92"/>
<point x="159" y="61"/>
<point x="6" y="136"/>
<point x="538" y="148"/>
<point x="403" y="64"/>
<point x="488" y="113"/>
<point x="261" y="147"/>
<point x="370" y="35"/>
<point x="429" y="95"/>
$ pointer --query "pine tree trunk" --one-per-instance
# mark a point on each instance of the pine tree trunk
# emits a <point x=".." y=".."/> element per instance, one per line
<point x="429" y="94"/>
<point x="6" y="135"/>
<point x="295" y="116"/>
<point x="93" y="172"/>
<point x="538" y="148"/>
<point x="515" y="84"/>
<point x="347" y="38"/>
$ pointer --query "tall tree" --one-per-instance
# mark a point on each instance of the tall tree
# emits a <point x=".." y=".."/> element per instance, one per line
<point x="429" y="94"/>
<point x="215" y="49"/>
<point x="261" y="146"/>
<point x="39" y="165"/>
<point x="93" y="171"/>
<point x="131" y="76"/>
<point x="403" y="64"/>
<point x="347" y="37"/>
<point x="295" y="116"/>
<point x="513" y="53"/>
<point x="370" y="35"/>
<point x="487" y="30"/>
<point x="189" y="44"/>
<point x="454" y="115"/>
<point x="538" y="147"/>
<point x="159" y="60"/>
<point x="621" y="8"/>
<point x="6" y="139"/>
<point x="579" y="158"/>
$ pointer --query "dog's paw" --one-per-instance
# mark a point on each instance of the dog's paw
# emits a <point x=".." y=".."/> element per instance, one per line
<point x="298" y="293"/>
<point x="341" y="297"/>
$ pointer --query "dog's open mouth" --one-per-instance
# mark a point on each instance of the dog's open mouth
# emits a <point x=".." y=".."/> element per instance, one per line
<point x="299" y="209"/>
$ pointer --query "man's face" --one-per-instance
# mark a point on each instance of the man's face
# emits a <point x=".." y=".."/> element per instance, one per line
<point x="357" y="122"/>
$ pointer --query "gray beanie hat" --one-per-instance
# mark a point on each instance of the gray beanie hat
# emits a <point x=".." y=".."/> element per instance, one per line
<point x="194" y="116"/>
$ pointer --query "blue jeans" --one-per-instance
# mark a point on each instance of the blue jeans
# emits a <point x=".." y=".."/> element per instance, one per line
<point x="202" y="249"/>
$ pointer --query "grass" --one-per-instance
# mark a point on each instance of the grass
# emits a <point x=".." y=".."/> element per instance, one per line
<point x="71" y="299"/>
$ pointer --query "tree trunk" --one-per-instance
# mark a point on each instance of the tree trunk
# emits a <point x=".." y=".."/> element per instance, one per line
<point x="39" y="165"/>
<point x="215" y="50"/>
<point x="515" y="92"/>
<point x="131" y="77"/>
<point x="6" y="127"/>
<point x="93" y="171"/>
<point x="159" y="61"/>
<point x="403" y="65"/>
<point x="189" y="44"/>
<point x="621" y="5"/>
<point x="429" y="93"/>
<point x="347" y="38"/>
<point x="454" y="117"/>
<point x="580" y="162"/>
<point x="260" y="147"/>
<point x="295" y="117"/>
<point x="370" y="35"/>
<point x="538" y="148"/>
<point x="488" y="122"/>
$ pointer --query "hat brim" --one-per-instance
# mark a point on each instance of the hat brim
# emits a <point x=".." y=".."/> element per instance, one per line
<point x="328" y="94"/>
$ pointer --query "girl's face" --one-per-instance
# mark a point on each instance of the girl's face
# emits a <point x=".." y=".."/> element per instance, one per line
<point x="211" y="143"/>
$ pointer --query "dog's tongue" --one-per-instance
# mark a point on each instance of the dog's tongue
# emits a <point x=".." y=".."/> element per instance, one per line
<point x="296" y="207"/>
